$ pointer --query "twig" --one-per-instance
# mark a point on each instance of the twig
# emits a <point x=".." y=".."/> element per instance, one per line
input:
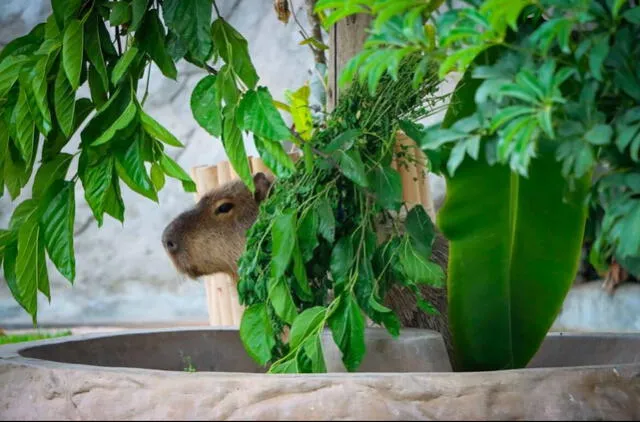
<point x="215" y="6"/>
<point x="118" y="40"/>
<point x="316" y="31"/>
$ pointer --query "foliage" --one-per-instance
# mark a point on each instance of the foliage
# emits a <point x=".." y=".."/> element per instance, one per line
<point x="109" y="45"/>
<point x="312" y="258"/>
<point x="567" y="75"/>
<point x="539" y="75"/>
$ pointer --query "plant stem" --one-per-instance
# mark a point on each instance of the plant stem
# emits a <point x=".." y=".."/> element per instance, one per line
<point x="215" y="6"/>
<point x="118" y="40"/>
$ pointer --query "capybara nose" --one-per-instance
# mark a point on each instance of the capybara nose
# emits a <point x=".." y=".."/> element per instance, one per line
<point x="169" y="241"/>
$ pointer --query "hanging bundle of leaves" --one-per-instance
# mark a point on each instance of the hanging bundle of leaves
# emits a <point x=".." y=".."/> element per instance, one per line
<point x="313" y="258"/>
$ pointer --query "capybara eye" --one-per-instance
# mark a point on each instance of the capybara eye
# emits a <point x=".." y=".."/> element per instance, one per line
<point x="224" y="208"/>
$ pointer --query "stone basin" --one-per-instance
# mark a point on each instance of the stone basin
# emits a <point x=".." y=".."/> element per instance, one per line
<point x="141" y="375"/>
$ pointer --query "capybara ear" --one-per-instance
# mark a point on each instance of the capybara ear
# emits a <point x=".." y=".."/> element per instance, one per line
<point x="262" y="184"/>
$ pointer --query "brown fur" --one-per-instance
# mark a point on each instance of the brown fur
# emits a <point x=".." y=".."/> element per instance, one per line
<point x="205" y="242"/>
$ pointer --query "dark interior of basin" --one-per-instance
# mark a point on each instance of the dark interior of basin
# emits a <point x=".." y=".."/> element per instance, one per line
<point x="222" y="351"/>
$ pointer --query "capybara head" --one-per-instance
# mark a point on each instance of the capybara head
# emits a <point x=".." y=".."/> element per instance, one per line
<point x="210" y="237"/>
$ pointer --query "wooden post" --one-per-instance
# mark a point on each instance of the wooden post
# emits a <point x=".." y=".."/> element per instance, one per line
<point x="346" y="39"/>
<point x="223" y="302"/>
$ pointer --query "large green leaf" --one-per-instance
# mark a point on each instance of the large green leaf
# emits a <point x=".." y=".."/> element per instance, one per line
<point x="116" y="114"/>
<point x="93" y="48"/>
<point x="347" y="328"/>
<point x="234" y="50"/>
<point x="205" y="105"/>
<point x="256" y="333"/>
<point x="151" y="38"/>
<point x="275" y="157"/>
<point x="57" y="223"/>
<point x="514" y="247"/>
<point x="256" y="113"/>
<point x="24" y="125"/>
<point x="64" y="103"/>
<point x="234" y="147"/>
<point x="72" y="46"/>
<point x="96" y="180"/>
<point x="31" y="269"/>
<point x="9" y="72"/>
<point x="132" y="171"/>
<point x="159" y="132"/>
<point x="49" y="172"/>
<point x="189" y="19"/>
<point x="283" y="233"/>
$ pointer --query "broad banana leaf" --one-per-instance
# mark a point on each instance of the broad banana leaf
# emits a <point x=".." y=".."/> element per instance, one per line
<point x="514" y="251"/>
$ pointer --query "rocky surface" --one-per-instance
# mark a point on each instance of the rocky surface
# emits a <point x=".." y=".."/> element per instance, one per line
<point x="123" y="274"/>
<point x="54" y="392"/>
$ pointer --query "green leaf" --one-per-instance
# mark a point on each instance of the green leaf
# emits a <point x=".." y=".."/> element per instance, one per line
<point x="256" y="333"/>
<point x="233" y="49"/>
<point x="598" y="54"/>
<point x="24" y="126"/>
<point x="342" y="257"/>
<point x="505" y="289"/>
<point x="344" y="141"/>
<point x="31" y="269"/>
<point x="122" y="66"/>
<point x="303" y="289"/>
<point x="157" y="176"/>
<point x="528" y="262"/>
<point x="308" y="234"/>
<point x="9" y="71"/>
<point x="281" y="300"/>
<point x="64" y="103"/>
<point x="256" y="113"/>
<point x="113" y="203"/>
<point x="286" y="367"/>
<point x="172" y="169"/>
<point x="632" y="15"/>
<point x="25" y="45"/>
<point x="352" y="167"/>
<point x="93" y="48"/>
<point x="50" y="172"/>
<point x="313" y="349"/>
<point x="132" y="171"/>
<point x="151" y="38"/>
<point x="418" y="268"/>
<point x="9" y="267"/>
<point x="327" y="221"/>
<point x="57" y="223"/>
<point x="157" y="131"/>
<point x="116" y="114"/>
<point x="96" y="180"/>
<point x="275" y="157"/>
<point x="306" y="324"/>
<point x="234" y="147"/>
<point x="120" y="13"/>
<point x="138" y="11"/>
<point x="300" y="111"/>
<point x="347" y="328"/>
<point x="72" y="46"/>
<point x="421" y="230"/>
<point x="387" y="186"/>
<point x="96" y="87"/>
<point x="599" y="135"/>
<point x="189" y="19"/>
<point x="206" y="107"/>
<point x="39" y="87"/>
<point x="283" y="233"/>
